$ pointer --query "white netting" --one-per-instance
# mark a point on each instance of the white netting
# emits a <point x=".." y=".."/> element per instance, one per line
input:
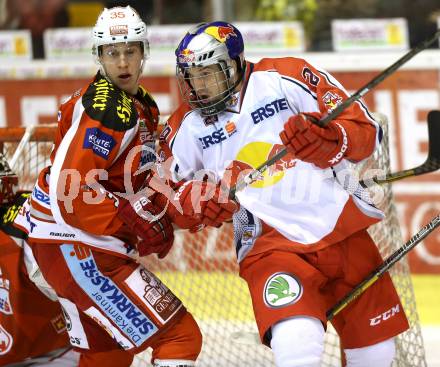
<point x="201" y="269"/>
<point x="387" y="235"/>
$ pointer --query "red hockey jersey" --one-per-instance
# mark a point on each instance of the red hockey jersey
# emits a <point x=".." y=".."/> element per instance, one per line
<point x="103" y="148"/>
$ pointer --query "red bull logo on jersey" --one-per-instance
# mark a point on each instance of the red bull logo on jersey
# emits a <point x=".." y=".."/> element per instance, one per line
<point x="221" y="33"/>
<point x="240" y="169"/>
<point x="254" y="154"/>
<point x="285" y="163"/>
<point x="186" y="56"/>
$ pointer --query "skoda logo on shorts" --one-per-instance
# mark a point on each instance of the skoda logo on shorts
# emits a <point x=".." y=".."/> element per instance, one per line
<point x="282" y="289"/>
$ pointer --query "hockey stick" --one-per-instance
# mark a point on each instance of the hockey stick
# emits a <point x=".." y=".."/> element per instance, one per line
<point x="431" y="164"/>
<point x="252" y="176"/>
<point x="385" y="266"/>
<point x="253" y="338"/>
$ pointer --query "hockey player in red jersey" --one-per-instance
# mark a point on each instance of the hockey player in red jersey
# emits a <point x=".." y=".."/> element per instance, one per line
<point x="91" y="214"/>
<point x="301" y="238"/>
<point x="26" y="314"/>
<point x="32" y="326"/>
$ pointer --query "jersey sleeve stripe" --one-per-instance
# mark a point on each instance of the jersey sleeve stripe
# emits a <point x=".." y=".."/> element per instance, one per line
<point x="57" y="164"/>
<point x="173" y="138"/>
<point x="365" y="108"/>
<point x="302" y="86"/>
<point x="127" y="139"/>
<point x="332" y="81"/>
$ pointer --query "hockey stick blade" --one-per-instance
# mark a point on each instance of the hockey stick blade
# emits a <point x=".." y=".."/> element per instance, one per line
<point x="338" y="110"/>
<point x="386" y="265"/>
<point x="254" y="339"/>
<point x="431" y="164"/>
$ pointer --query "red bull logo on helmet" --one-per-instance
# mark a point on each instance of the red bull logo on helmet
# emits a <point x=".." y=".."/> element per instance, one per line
<point x="186" y="56"/>
<point x="221" y="33"/>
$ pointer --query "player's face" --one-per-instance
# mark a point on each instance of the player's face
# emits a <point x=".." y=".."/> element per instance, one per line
<point x="122" y="64"/>
<point x="209" y="82"/>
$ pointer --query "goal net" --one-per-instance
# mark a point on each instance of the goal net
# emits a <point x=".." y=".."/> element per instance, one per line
<point x="201" y="269"/>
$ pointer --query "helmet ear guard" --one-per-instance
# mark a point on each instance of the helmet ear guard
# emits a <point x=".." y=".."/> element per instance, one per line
<point x="215" y="43"/>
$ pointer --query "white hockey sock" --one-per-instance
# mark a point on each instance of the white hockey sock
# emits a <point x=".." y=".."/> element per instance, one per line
<point x="377" y="355"/>
<point x="298" y="341"/>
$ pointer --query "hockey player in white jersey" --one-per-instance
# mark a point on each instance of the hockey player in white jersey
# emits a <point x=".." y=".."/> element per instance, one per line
<point x="301" y="238"/>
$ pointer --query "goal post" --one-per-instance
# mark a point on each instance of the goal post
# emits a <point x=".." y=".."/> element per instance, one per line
<point x="201" y="268"/>
<point x="27" y="150"/>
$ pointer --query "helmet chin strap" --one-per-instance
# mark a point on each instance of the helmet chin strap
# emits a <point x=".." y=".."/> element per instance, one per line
<point x="141" y="69"/>
<point x="102" y="69"/>
<point x="139" y="76"/>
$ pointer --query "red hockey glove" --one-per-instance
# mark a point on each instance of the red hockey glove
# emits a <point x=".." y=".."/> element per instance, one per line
<point x="322" y="146"/>
<point x="193" y="224"/>
<point x="206" y="201"/>
<point x="149" y="222"/>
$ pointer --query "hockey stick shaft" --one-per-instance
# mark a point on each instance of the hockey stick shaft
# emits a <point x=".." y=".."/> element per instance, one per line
<point x="431" y="164"/>
<point x="386" y="265"/>
<point x="338" y="110"/>
<point x="379" y="78"/>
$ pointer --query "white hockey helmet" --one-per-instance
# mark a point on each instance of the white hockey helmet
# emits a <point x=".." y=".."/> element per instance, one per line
<point x="119" y="24"/>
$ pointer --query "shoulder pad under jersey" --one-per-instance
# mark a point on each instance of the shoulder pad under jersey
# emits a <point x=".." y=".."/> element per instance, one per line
<point x="109" y="105"/>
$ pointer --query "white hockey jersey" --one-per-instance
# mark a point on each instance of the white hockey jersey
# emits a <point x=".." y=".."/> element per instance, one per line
<point x="301" y="202"/>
